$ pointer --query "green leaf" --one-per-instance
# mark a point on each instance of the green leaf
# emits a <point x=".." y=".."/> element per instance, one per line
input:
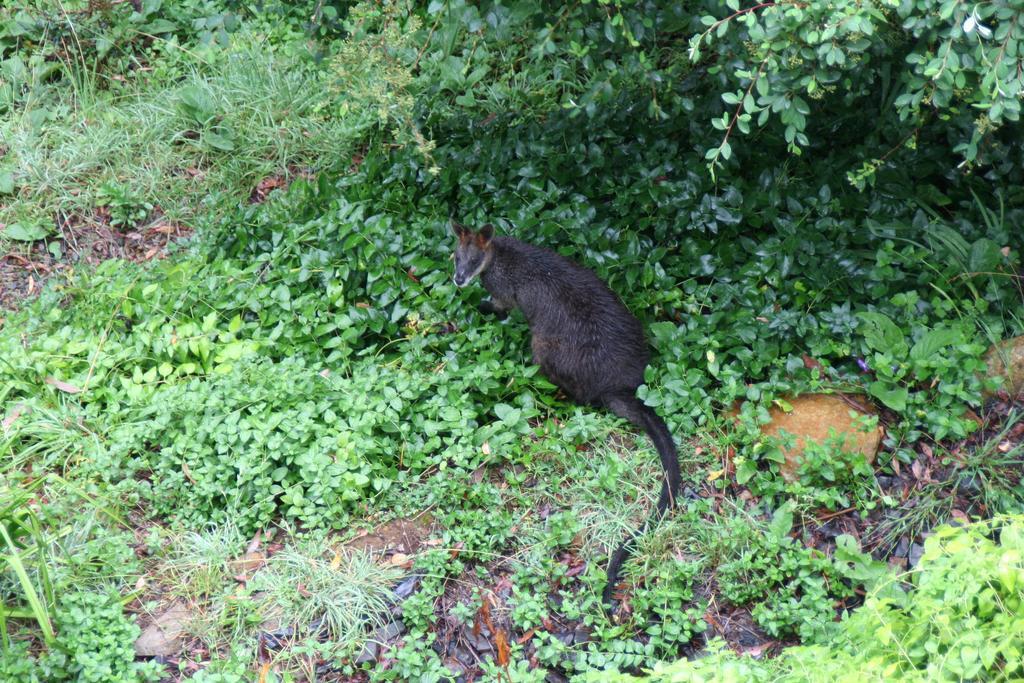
<point x="932" y="342"/>
<point x="6" y="182"/>
<point x="985" y="256"/>
<point x="782" y="521"/>
<point x="882" y="334"/>
<point x="218" y="141"/>
<point x="507" y="413"/>
<point x="21" y="232"/>
<point x="893" y="397"/>
<point x="158" y="26"/>
<point x="745" y="471"/>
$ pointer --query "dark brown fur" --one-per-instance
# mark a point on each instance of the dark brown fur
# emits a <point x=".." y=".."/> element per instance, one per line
<point x="583" y="338"/>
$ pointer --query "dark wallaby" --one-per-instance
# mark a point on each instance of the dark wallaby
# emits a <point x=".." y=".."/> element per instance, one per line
<point x="583" y="338"/>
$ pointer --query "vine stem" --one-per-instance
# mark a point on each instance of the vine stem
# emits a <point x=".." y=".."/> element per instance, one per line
<point x="769" y="3"/>
<point x="739" y="107"/>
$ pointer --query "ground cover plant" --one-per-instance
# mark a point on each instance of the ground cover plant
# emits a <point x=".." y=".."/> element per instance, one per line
<point x="251" y="430"/>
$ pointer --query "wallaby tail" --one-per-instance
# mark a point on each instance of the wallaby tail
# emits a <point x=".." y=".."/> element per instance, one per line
<point x="634" y="410"/>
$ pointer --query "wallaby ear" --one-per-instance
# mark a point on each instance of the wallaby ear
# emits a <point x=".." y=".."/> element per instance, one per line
<point x="458" y="228"/>
<point x="486" y="233"/>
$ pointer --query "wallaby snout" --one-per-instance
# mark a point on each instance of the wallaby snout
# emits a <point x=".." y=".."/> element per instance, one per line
<point x="473" y="254"/>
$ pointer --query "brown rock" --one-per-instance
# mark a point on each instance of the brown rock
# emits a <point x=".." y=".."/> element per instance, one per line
<point x="816" y="417"/>
<point x="1005" y="359"/>
<point x="164" y="636"/>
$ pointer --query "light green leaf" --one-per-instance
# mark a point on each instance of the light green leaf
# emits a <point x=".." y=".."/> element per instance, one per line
<point x="893" y="397"/>
<point x="882" y="334"/>
<point x="22" y="232"/>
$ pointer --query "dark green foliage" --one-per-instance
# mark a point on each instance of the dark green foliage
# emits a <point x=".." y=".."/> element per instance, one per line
<point x="793" y="590"/>
<point x="287" y="439"/>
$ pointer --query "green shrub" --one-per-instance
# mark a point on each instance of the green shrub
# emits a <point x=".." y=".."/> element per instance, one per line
<point x="95" y="644"/>
<point x="961" y="621"/>
<point x="262" y="439"/>
<point x="828" y="474"/>
<point x="668" y="606"/>
<point x="793" y="589"/>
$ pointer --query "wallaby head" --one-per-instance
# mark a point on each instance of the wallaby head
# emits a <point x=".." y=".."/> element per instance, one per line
<point x="473" y="253"/>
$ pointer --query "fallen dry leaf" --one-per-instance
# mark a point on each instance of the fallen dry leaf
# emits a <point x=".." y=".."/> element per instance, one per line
<point x="501" y="645"/>
<point x="249" y="562"/>
<point x="400" y="560"/>
<point x="15" y="414"/>
<point x="526" y="636"/>
<point x="63" y="386"/>
<point x="576" y="569"/>
<point x="917" y="469"/>
<point x="757" y="650"/>
<point x="973" y="416"/>
<point x="811" y="363"/>
<point x="254" y="544"/>
<point x="483" y="615"/>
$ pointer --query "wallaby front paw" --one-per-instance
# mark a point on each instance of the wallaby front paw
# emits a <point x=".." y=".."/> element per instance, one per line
<point x="488" y="307"/>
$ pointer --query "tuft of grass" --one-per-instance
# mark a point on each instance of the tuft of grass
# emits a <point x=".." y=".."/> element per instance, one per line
<point x="612" y="488"/>
<point x="185" y="135"/>
<point x="197" y="564"/>
<point x="22" y="555"/>
<point x="993" y="470"/>
<point x="35" y="436"/>
<point x="343" y="594"/>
